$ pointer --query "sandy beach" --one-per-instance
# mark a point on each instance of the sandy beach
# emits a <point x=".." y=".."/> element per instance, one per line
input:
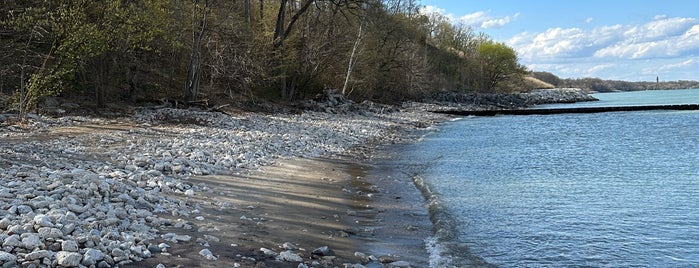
<point x="180" y="188"/>
<point x="309" y="203"/>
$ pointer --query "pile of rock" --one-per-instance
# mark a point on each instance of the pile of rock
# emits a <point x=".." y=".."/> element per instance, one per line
<point x="494" y="101"/>
<point x="558" y="95"/>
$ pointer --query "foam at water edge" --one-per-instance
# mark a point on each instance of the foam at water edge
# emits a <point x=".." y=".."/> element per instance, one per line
<point x="435" y="251"/>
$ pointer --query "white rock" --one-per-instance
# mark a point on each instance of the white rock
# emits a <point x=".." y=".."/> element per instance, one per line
<point x="399" y="264"/>
<point x="289" y="246"/>
<point x="269" y="252"/>
<point x="289" y="256"/>
<point x="206" y="253"/>
<point x="68" y="259"/>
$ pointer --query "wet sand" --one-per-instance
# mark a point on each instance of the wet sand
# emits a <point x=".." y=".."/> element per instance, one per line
<point x="343" y="204"/>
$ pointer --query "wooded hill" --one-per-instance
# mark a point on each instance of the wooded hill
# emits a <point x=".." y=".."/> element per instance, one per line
<point x="122" y="51"/>
<point x="599" y="85"/>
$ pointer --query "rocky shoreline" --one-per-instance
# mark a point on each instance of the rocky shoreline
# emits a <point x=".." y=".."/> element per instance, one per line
<point x="95" y="192"/>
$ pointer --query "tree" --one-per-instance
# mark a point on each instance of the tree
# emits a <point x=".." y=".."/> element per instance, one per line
<point x="194" y="71"/>
<point x="498" y="62"/>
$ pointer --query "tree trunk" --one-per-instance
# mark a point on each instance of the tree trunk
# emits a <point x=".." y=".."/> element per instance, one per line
<point x="246" y="10"/>
<point x="262" y="9"/>
<point x="353" y="56"/>
<point x="279" y="34"/>
<point x="194" y="71"/>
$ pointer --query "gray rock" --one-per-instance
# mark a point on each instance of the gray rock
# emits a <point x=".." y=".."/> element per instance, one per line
<point x="4" y="223"/>
<point x="118" y="253"/>
<point x="49" y="232"/>
<point x="31" y="241"/>
<point x="69" y="245"/>
<point x="323" y="251"/>
<point x="12" y="241"/>
<point x="37" y="255"/>
<point x="68" y="259"/>
<point x="6" y="257"/>
<point x="24" y="209"/>
<point x="91" y="257"/>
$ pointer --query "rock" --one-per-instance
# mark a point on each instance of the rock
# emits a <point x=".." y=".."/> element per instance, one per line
<point x="6" y="257"/>
<point x="269" y="252"/>
<point x="118" y="253"/>
<point x="4" y="223"/>
<point x="206" y="253"/>
<point x="69" y="245"/>
<point x="24" y="209"/>
<point x="399" y="264"/>
<point x="12" y="241"/>
<point x="68" y="259"/>
<point x="91" y="257"/>
<point x="289" y="256"/>
<point x="37" y="255"/>
<point x="31" y="241"/>
<point x="289" y="246"/>
<point x="50" y="232"/>
<point x="160" y="265"/>
<point x="323" y="251"/>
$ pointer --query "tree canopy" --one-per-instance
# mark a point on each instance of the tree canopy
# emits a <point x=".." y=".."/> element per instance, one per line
<point x="144" y="50"/>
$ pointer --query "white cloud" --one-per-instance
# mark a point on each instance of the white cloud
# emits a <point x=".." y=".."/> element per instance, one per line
<point x="477" y="20"/>
<point x="588" y="20"/>
<point x="660" y="37"/>
<point x="498" y="23"/>
<point x="432" y="11"/>
<point x="683" y="64"/>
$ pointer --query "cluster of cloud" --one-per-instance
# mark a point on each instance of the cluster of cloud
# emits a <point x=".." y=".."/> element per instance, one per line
<point x="477" y="20"/>
<point x="661" y="37"/>
<point x="666" y="46"/>
<point x="662" y="46"/>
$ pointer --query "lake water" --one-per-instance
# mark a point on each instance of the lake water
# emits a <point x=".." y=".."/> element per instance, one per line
<point x="614" y="189"/>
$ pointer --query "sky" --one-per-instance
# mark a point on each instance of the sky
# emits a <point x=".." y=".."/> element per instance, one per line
<point x="614" y="39"/>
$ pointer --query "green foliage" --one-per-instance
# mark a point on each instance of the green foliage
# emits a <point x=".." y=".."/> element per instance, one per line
<point x="498" y="62"/>
<point x="131" y="49"/>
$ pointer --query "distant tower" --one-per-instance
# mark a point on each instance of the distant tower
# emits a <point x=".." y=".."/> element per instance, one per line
<point x="657" y="79"/>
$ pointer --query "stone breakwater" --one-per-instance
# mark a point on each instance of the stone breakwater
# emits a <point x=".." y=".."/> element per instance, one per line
<point x="92" y="192"/>
<point x="487" y="101"/>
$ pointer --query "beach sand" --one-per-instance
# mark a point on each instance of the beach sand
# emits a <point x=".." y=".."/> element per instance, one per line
<point x="343" y="204"/>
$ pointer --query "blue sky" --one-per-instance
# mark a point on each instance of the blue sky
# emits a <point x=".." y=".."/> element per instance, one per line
<point x="612" y="39"/>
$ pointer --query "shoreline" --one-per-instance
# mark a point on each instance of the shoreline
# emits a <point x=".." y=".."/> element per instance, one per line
<point x="187" y="188"/>
<point x="164" y="175"/>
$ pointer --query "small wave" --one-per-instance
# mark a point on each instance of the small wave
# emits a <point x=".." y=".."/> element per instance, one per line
<point x="444" y="247"/>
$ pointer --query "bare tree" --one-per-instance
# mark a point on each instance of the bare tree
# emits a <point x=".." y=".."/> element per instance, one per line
<point x="194" y="70"/>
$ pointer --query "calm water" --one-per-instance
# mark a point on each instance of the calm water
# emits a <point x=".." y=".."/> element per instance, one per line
<point x="598" y="190"/>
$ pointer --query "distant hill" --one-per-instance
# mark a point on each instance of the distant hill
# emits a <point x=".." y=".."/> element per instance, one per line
<point x="599" y="85"/>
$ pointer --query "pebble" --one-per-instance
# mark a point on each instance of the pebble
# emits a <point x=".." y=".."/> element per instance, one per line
<point x="97" y="198"/>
